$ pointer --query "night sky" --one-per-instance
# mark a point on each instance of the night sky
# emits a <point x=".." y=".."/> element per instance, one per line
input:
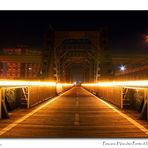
<point x="126" y="29"/>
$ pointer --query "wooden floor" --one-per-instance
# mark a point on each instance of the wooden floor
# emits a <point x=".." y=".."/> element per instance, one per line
<point x="75" y="114"/>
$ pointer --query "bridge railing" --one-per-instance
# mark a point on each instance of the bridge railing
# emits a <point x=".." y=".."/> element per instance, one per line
<point x="110" y="94"/>
<point x="124" y="95"/>
<point x="12" y="97"/>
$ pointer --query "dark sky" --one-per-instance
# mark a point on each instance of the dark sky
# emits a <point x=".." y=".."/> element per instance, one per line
<point x="126" y="29"/>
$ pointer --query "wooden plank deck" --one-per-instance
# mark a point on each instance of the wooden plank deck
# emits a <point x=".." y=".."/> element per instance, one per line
<point x="75" y="114"/>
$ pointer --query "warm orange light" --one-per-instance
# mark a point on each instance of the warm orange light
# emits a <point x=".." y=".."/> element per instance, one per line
<point x="67" y="84"/>
<point x="60" y="85"/>
<point x="9" y="83"/>
<point x="143" y="83"/>
<point x="13" y="83"/>
<point x="146" y="38"/>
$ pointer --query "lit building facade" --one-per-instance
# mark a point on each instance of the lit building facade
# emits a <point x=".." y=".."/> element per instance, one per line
<point x="18" y="70"/>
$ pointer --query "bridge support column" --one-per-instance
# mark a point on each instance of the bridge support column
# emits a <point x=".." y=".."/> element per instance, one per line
<point x="48" y="57"/>
<point x="28" y="98"/>
<point x="91" y="72"/>
<point x="0" y="103"/>
<point x="146" y="102"/>
<point x="144" y="111"/>
<point x="122" y="97"/>
<point x="106" y="67"/>
<point x="3" y="108"/>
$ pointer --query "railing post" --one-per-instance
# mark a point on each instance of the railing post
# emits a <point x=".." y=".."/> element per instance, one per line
<point x="146" y="100"/>
<point x="121" y="103"/>
<point x="147" y="103"/>
<point x="28" y="98"/>
<point x="0" y="102"/>
<point x="3" y="108"/>
<point x="144" y="111"/>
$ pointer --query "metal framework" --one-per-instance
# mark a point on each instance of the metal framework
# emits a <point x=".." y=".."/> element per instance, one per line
<point x="73" y="52"/>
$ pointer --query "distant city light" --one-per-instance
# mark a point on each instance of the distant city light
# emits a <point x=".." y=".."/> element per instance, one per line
<point x="122" y="68"/>
<point x="146" y="38"/>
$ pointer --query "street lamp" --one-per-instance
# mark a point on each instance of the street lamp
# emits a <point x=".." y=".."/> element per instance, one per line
<point x="122" y="68"/>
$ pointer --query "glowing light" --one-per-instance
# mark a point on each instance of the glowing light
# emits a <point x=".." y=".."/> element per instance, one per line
<point x="122" y="68"/>
<point x="8" y="83"/>
<point x="75" y="83"/>
<point x="25" y="83"/>
<point x="59" y="85"/>
<point x="143" y="83"/>
<point x="66" y="84"/>
<point x="146" y="38"/>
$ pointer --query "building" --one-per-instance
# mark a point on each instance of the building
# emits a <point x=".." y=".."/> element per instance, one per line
<point x="18" y="70"/>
